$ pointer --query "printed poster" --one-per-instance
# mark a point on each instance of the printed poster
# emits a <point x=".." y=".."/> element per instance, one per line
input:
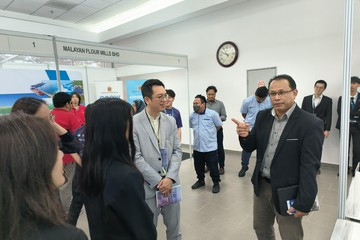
<point x="133" y="90"/>
<point x="17" y="83"/>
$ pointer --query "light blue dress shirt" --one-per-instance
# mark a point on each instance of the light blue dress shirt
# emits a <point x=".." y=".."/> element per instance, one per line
<point x="251" y="107"/>
<point x="204" y="128"/>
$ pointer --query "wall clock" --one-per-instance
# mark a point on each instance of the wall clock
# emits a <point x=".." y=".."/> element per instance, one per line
<point x="227" y="54"/>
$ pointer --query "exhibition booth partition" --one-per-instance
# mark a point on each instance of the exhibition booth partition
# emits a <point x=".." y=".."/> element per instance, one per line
<point x="39" y="66"/>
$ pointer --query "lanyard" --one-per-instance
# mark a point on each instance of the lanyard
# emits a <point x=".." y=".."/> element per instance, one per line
<point x="163" y="152"/>
<point x="156" y="135"/>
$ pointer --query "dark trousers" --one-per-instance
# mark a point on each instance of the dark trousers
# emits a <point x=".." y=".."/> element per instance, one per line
<point x="220" y="144"/>
<point x="245" y="157"/>
<point x="76" y="202"/>
<point x="211" y="160"/>
<point x="355" y="136"/>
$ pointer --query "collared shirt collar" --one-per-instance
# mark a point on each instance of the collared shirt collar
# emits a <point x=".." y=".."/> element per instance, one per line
<point x="287" y="114"/>
<point x="152" y="118"/>
<point x="314" y="97"/>
<point x="355" y="97"/>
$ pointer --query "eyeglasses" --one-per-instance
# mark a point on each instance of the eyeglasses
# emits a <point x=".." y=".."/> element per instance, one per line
<point x="280" y="93"/>
<point x="162" y="97"/>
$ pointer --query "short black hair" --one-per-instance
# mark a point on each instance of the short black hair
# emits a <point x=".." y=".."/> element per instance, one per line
<point x="77" y="95"/>
<point x="60" y="99"/>
<point x="355" y="79"/>
<point x="202" y="98"/>
<point x="287" y="78"/>
<point x="261" y="92"/>
<point x="170" y="92"/>
<point x="211" y="88"/>
<point x="146" y="88"/>
<point x="321" y="82"/>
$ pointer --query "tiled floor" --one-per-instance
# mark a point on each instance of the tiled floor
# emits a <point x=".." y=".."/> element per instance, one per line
<point x="228" y="214"/>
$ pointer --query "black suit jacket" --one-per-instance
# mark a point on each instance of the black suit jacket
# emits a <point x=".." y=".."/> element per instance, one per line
<point x="55" y="233"/>
<point x="355" y="113"/>
<point x="322" y="111"/>
<point x="120" y="212"/>
<point x="297" y="156"/>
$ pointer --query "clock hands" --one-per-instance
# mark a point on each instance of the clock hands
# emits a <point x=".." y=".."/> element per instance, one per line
<point x="224" y="52"/>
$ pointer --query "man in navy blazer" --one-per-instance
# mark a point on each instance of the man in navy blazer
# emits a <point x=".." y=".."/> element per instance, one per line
<point x="354" y="120"/>
<point x="289" y="142"/>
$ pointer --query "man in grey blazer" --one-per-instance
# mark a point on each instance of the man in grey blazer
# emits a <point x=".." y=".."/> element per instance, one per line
<point x="158" y="154"/>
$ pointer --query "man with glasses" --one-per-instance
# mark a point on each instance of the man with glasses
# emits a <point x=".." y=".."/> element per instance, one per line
<point x="289" y="142"/>
<point x="319" y="105"/>
<point x="158" y="154"/>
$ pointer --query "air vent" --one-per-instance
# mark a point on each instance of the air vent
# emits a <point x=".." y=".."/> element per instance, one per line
<point x="59" y="4"/>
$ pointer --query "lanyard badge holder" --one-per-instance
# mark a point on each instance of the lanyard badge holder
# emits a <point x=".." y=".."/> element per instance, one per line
<point x="163" y="162"/>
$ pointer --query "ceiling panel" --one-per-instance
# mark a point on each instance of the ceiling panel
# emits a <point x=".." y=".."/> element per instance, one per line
<point x="49" y="12"/>
<point x="99" y="19"/>
<point x="27" y="7"/>
<point x="77" y="14"/>
<point x="116" y="8"/>
<point x="97" y="4"/>
<point x="4" y="3"/>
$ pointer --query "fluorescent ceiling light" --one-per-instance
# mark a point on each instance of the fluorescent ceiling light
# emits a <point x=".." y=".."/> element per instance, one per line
<point x="135" y="13"/>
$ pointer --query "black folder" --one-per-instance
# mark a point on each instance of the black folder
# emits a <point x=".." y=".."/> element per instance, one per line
<point x="284" y="194"/>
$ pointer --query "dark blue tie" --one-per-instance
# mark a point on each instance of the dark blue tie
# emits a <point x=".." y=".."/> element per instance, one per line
<point x="352" y="103"/>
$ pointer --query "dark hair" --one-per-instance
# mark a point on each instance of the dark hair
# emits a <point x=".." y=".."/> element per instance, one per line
<point x="261" y="92"/>
<point x="146" y="88"/>
<point x="286" y="77"/>
<point x="28" y="105"/>
<point x="321" y="82"/>
<point x="211" y="88"/>
<point x="105" y="117"/>
<point x="28" y="153"/>
<point x="77" y="95"/>
<point x="140" y="105"/>
<point x="170" y="92"/>
<point x="60" y="99"/>
<point x="202" y="98"/>
<point x="355" y="79"/>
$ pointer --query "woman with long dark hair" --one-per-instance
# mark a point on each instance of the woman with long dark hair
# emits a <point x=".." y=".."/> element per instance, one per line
<point x="30" y="172"/>
<point x="112" y="186"/>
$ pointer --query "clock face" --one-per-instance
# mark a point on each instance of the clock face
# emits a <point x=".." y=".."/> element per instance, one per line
<point x="227" y="54"/>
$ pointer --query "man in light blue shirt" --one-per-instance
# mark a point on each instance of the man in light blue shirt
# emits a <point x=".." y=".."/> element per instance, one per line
<point x="249" y="109"/>
<point x="205" y="124"/>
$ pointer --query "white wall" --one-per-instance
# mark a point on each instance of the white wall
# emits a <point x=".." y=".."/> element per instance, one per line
<point x="302" y="38"/>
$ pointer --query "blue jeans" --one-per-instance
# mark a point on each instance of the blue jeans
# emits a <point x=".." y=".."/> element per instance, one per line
<point x="245" y="156"/>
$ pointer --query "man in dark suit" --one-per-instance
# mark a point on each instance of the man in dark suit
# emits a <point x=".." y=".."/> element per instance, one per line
<point x="319" y="105"/>
<point x="354" y="120"/>
<point x="289" y="142"/>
